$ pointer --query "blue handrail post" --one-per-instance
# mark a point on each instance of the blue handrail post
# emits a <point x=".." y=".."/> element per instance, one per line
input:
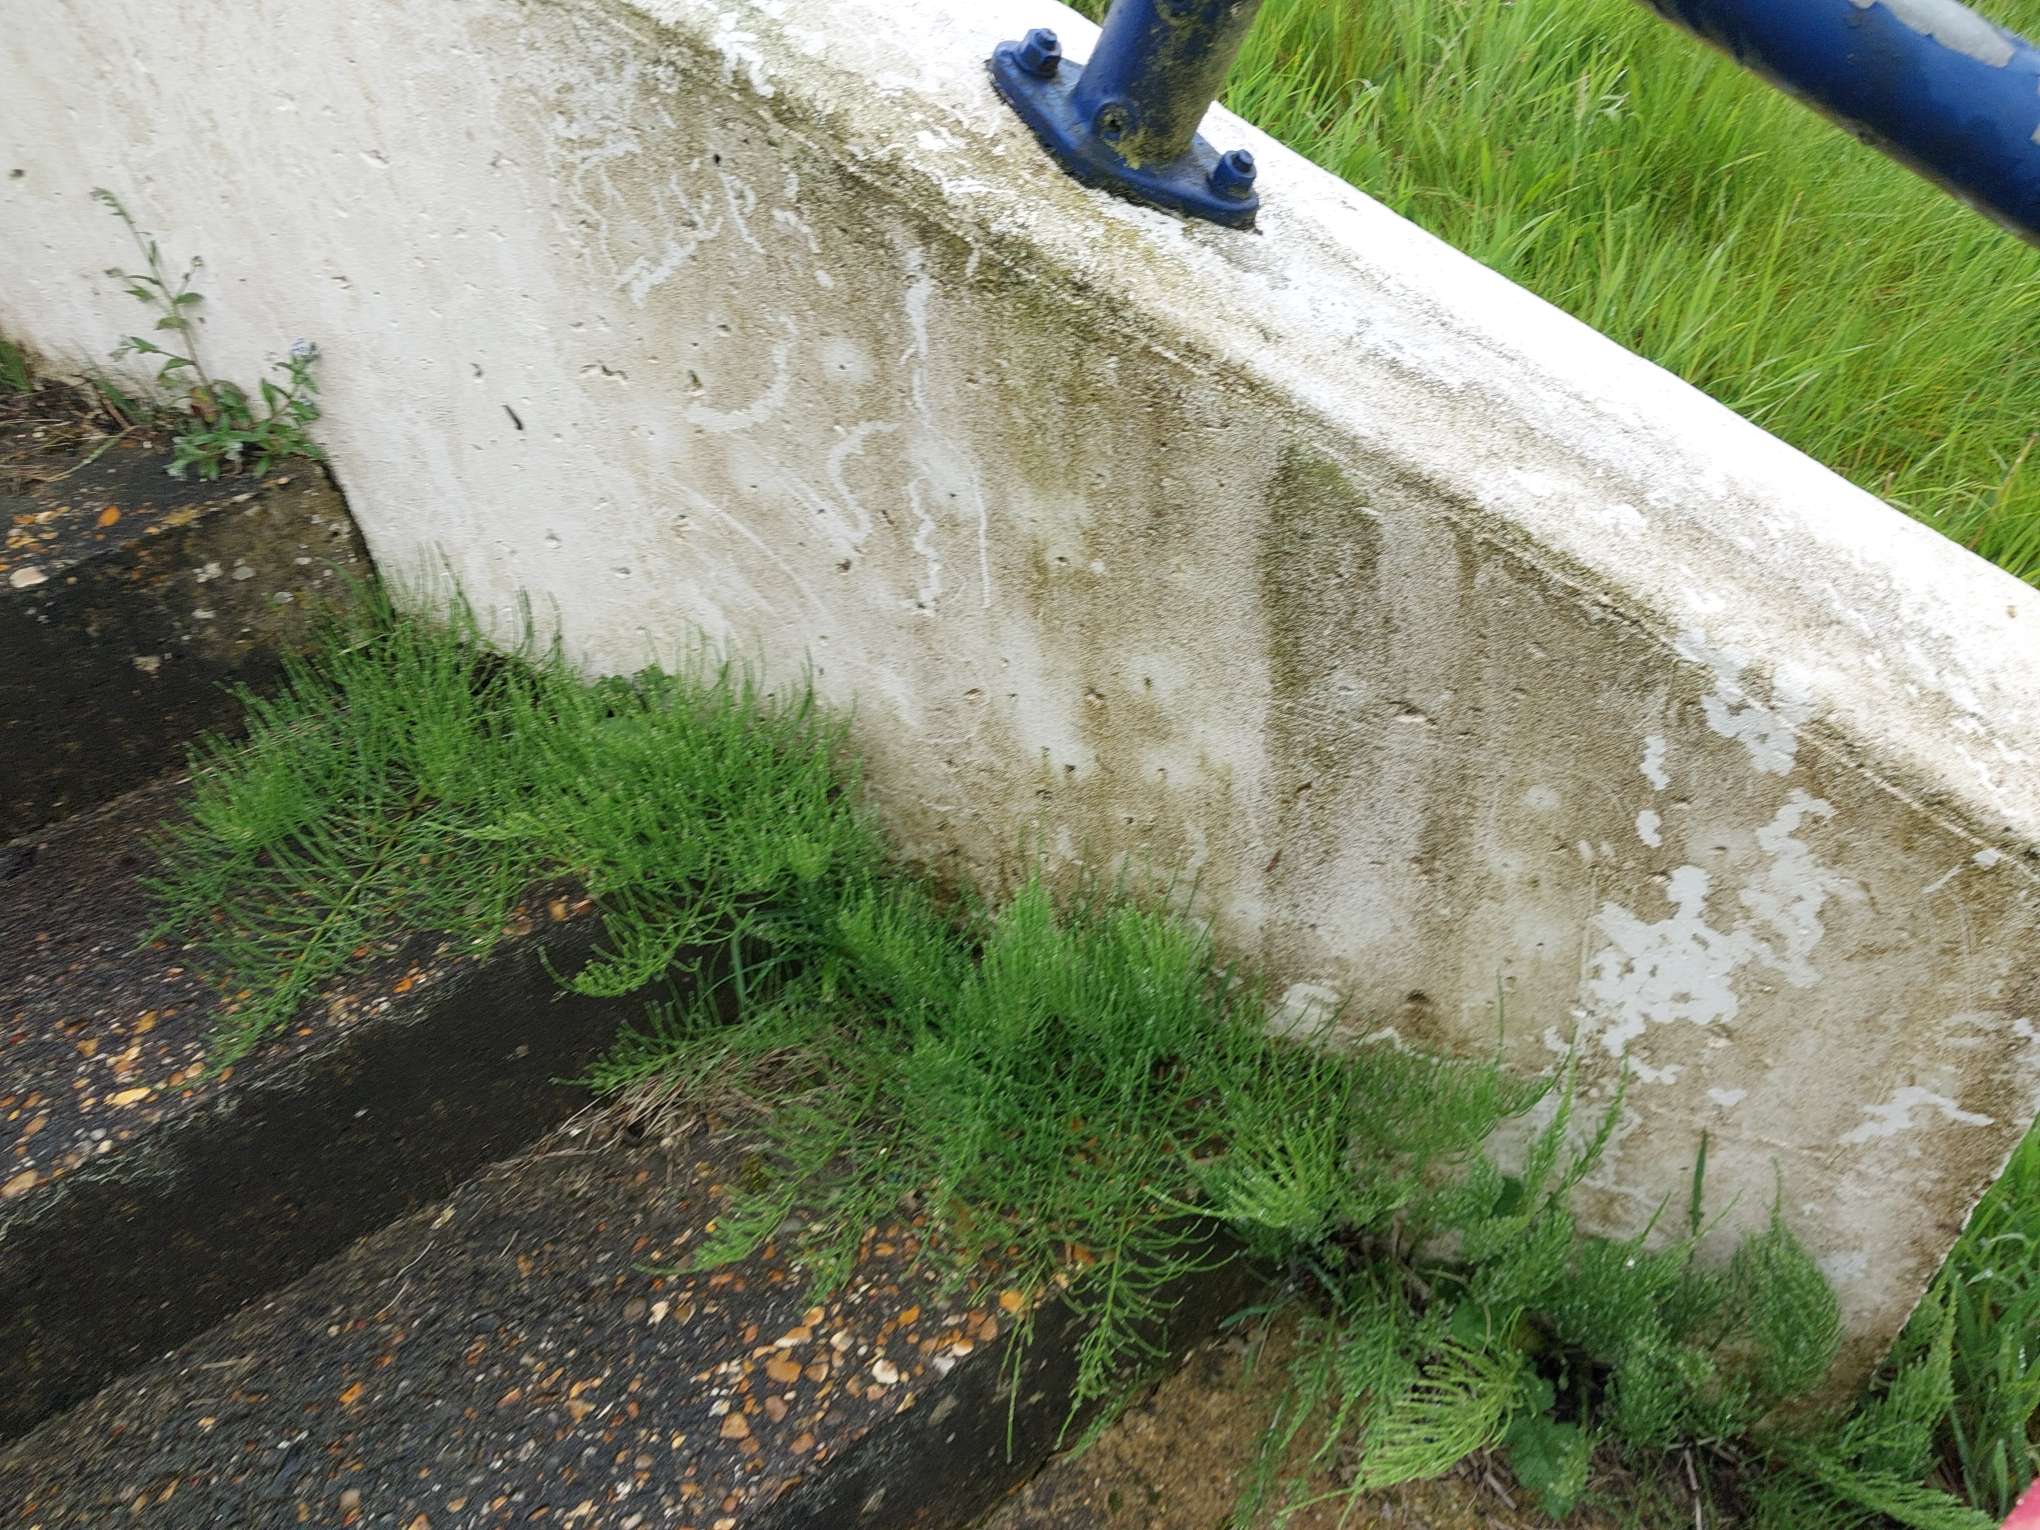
<point x="1127" y="120"/>
<point x="1929" y="82"/>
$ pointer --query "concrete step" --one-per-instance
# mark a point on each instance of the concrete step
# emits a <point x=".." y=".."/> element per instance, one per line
<point x="130" y="601"/>
<point x="526" y="1353"/>
<point x="142" y="1198"/>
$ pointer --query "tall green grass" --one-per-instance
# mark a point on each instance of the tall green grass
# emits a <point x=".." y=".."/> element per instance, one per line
<point x="409" y="776"/>
<point x="1620" y="169"/>
<point x="1991" y="1286"/>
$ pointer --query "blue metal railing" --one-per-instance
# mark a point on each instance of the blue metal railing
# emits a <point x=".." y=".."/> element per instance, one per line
<point x="1127" y="120"/>
<point x="1927" y="81"/>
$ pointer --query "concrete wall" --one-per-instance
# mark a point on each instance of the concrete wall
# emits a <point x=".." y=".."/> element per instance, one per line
<point x="1462" y="652"/>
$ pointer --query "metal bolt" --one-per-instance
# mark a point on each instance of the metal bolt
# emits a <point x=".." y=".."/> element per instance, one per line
<point x="1113" y="121"/>
<point x="1233" y="175"/>
<point x="1040" y="53"/>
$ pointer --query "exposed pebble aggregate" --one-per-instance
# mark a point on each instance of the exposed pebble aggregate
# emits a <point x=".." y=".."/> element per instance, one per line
<point x="527" y="1353"/>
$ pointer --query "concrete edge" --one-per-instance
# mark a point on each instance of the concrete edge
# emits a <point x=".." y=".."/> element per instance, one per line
<point x="1884" y="644"/>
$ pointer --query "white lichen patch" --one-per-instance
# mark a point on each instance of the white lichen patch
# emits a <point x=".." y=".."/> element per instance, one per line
<point x="1675" y="968"/>
<point x="1897" y="1115"/>
<point x="1767" y="728"/>
<point x="1647" y="1073"/>
<point x="1786" y="900"/>
<point x="1304" y="1010"/>
<point x="1683" y="967"/>
<point x="1653" y="766"/>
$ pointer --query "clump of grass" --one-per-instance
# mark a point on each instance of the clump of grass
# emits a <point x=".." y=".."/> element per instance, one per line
<point x="1033" y="1077"/>
<point x="1072" y="1089"/>
<point x="1989" y="1291"/>
<point x="408" y="776"/>
<point x="1077" y="1093"/>
<point x="1554" y="1348"/>
<point x="1620" y="169"/>
<point x="16" y="375"/>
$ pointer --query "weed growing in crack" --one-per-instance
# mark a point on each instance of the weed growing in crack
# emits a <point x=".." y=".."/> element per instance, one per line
<point x="16" y="375"/>
<point x="219" y="427"/>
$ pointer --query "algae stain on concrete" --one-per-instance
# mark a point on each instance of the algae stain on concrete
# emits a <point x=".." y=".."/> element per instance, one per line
<point x="1317" y="567"/>
<point x="1347" y="878"/>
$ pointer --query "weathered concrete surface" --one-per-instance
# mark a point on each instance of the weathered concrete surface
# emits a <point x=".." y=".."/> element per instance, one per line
<point x="132" y="602"/>
<point x="1461" y="652"/>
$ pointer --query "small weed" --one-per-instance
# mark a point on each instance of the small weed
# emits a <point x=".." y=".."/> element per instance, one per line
<point x="16" y="376"/>
<point x="221" y="428"/>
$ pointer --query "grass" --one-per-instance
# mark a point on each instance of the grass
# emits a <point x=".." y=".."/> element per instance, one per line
<point x="16" y="376"/>
<point x="1618" y="168"/>
<point x="1069" y="1086"/>
<point x="1075" y="1092"/>
<point x="408" y="776"/>
<point x="1991" y="1287"/>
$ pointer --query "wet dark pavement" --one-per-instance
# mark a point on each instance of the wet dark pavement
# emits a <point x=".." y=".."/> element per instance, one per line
<point x="100" y="1039"/>
<point x="143" y="1196"/>
<point x="526" y="1354"/>
<point x="130" y="602"/>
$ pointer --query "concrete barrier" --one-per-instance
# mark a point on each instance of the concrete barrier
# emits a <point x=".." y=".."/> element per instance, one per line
<point x="1465" y="656"/>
